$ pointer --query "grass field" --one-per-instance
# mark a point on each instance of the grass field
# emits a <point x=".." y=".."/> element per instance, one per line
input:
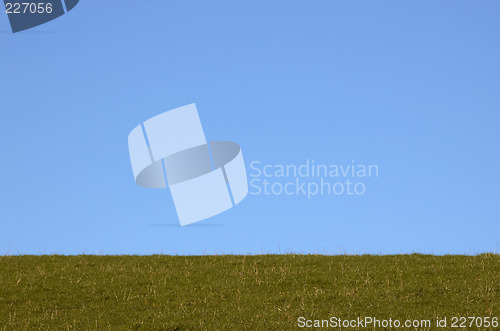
<point x="262" y="292"/>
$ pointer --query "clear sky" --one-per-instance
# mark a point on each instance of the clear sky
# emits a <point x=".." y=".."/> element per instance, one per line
<point x="411" y="86"/>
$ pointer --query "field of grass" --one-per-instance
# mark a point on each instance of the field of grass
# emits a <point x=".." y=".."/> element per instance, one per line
<point x="262" y="292"/>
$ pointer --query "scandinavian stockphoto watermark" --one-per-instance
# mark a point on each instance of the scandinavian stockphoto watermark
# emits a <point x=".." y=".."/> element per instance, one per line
<point x="372" y="322"/>
<point x="205" y="177"/>
<point x="27" y="14"/>
<point x="310" y="178"/>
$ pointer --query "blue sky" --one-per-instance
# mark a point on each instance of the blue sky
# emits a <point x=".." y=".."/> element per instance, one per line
<point x="411" y="86"/>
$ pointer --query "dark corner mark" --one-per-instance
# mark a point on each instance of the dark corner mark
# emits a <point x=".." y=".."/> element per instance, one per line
<point x="27" y="14"/>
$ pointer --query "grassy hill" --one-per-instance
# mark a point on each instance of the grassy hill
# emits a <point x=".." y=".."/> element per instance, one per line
<point x="263" y="292"/>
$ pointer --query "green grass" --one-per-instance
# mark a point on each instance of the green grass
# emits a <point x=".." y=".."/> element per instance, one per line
<point x="263" y="292"/>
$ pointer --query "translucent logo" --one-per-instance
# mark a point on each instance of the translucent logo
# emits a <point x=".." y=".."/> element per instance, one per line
<point x="205" y="179"/>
